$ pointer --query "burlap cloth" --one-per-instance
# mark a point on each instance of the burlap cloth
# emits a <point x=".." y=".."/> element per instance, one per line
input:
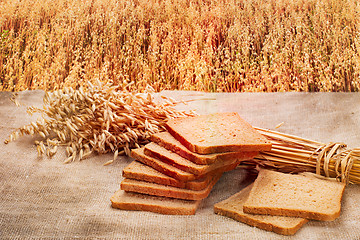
<point x="44" y="198"/>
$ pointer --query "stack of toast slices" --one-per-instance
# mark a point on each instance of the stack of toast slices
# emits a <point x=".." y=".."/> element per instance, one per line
<point x="180" y="166"/>
<point x="283" y="203"/>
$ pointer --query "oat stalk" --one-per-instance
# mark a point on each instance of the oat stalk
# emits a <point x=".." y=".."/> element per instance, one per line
<point x="100" y="119"/>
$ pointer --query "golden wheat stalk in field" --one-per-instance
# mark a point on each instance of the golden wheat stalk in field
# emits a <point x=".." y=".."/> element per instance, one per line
<point x="245" y="45"/>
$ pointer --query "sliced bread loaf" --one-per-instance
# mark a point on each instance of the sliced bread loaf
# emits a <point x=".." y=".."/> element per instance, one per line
<point x="154" y="150"/>
<point x="132" y="185"/>
<point x="141" y="202"/>
<point x="217" y="133"/>
<point x="233" y="208"/>
<point x="139" y="171"/>
<point x="276" y="193"/>
<point x="170" y="170"/>
<point x="162" y="167"/>
<point x="166" y="140"/>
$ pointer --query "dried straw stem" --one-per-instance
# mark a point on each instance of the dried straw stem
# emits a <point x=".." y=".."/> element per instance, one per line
<point x="291" y="153"/>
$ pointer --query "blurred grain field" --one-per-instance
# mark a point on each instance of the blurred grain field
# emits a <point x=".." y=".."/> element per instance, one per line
<point x="204" y="45"/>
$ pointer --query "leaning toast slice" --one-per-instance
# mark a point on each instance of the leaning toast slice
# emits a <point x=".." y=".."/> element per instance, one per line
<point x="276" y="193"/>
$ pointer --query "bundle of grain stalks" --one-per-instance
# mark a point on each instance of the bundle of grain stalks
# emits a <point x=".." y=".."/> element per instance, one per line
<point x="293" y="154"/>
<point x="100" y="119"/>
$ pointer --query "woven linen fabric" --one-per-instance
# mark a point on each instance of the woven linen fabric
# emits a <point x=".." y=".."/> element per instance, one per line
<point x="43" y="198"/>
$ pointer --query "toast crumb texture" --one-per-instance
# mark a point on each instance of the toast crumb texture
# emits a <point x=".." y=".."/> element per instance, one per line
<point x="217" y="133"/>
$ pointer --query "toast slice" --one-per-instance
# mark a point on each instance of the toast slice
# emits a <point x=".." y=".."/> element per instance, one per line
<point x="170" y="170"/>
<point x="233" y="208"/>
<point x="166" y="140"/>
<point x="217" y="133"/>
<point x="139" y="171"/>
<point x="141" y="202"/>
<point x="154" y="150"/>
<point x="131" y="185"/>
<point x="276" y="193"/>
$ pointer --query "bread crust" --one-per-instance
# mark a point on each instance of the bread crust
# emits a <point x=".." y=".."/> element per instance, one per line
<point x="142" y="202"/>
<point x="162" y="167"/>
<point x="166" y="140"/>
<point x="170" y="170"/>
<point x="142" y="172"/>
<point x="167" y="191"/>
<point x="154" y="150"/>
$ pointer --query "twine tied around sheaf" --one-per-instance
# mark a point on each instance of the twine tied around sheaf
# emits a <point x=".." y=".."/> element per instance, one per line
<point x="343" y="159"/>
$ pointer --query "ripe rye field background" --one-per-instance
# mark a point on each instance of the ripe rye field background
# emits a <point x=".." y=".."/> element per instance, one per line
<point x="208" y="45"/>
